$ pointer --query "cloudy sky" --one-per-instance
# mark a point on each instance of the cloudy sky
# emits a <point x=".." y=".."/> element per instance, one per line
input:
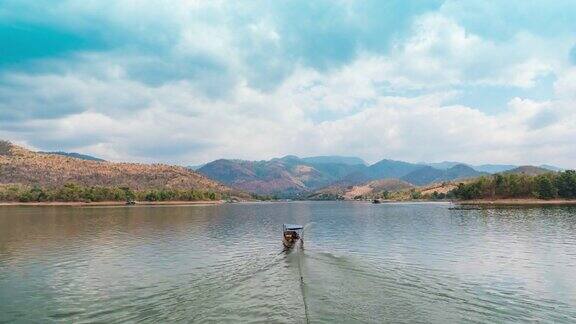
<point x="190" y="81"/>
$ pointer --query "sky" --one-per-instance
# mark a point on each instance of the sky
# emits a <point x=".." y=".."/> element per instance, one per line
<point x="187" y="82"/>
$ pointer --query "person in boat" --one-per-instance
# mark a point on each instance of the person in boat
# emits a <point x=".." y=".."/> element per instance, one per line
<point x="291" y="235"/>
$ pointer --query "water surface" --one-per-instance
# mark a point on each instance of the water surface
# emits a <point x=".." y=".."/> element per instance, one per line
<point x="360" y="263"/>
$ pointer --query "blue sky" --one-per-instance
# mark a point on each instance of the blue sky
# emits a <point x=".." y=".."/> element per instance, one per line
<point x="190" y="81"/>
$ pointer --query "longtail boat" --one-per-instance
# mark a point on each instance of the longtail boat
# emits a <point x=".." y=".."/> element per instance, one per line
<point x="291" y="233"/>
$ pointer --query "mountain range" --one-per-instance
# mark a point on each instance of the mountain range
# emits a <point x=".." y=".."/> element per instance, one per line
<point x="292" y="175"/>
<point x="489" y="168"/>
<point x="289" y="176"/>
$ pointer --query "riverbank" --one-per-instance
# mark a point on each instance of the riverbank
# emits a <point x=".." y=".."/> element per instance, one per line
<point x="113" y="203"/>
<point x="517" y="202"/>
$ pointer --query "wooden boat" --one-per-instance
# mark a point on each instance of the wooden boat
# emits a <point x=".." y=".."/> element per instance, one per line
<point x="291" y="233"/>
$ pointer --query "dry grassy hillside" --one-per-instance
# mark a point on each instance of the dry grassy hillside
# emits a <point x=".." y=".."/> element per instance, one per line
<point x="376" y="186"/>
<point x="368" y="189"/>
<point x="22" y="166"/>
<point x="441" y="188"/>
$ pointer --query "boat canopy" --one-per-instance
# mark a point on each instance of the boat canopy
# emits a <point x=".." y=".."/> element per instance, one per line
<point x="292" y="227"/>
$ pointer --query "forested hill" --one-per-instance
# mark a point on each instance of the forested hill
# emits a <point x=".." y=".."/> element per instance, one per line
<point x="549" y="185"/>
<point x="24" y="167"/>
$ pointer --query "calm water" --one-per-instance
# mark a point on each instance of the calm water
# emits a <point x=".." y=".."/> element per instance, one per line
<point x="360" y="263"/>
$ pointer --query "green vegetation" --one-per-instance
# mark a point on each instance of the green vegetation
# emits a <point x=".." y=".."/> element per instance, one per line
<point x="438" y="196"/>
<point x="500" y="186"/>
<point x="72" y="192"/>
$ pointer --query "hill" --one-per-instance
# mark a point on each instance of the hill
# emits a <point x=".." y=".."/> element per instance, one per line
<point x="488" y="168"/>
<point x="369" y="189"/>
<point x="427" y="174"/>
<point x="76" y="156"/>
<point x="525" y="184"/>
<point x="24" y="167"/>
<point x="528" y="170"/>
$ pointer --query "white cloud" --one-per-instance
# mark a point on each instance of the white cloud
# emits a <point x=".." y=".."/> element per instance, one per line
<point x="394" y="105"/>
<point x="178" y="124"/>
<point x="565" y="87"/>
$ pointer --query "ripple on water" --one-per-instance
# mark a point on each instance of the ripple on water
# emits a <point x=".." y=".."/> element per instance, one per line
<point x="361" y="263"/>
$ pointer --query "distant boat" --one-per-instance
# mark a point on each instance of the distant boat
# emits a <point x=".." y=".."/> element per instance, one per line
<point x="376" y="201"/>
<point x="291" y="233"/>
<point x="130" y="202"/>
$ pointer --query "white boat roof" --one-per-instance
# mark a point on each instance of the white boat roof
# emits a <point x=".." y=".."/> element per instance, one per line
<point x="293" y="227"/>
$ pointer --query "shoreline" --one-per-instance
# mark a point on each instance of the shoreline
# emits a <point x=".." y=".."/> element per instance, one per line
<point x="517" y="202"/>
<point x="479" y="202"/>
<point x="111" y="203"/>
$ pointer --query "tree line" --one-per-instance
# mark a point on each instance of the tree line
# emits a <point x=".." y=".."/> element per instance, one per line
<point x="72" y="192"/>
<point x="553" y="185"/>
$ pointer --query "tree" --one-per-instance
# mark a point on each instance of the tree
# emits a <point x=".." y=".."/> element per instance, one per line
<point x="499" y="185"/>
<point x="151" y="196"/>
<point x="566" y="184"/>
<point x="545" y="187"/>
<point x="70" y="192"/>
<point x="128" y="193"/>
<point x="438" y="196"/>
<point x="385" y="194"/>
<point x="415" y="194"/>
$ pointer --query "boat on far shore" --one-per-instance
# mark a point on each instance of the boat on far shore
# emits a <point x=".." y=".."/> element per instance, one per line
<point x="291" y="233"/>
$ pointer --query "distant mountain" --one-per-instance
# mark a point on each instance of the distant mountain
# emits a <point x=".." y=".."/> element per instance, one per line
<point x="494" y="168"/>
<point x="21" y="166"/>
<point x="424" y="175"/>
<point x="489" y="168"/>
<point x="442" y="165"/>
<point x="384" y="169"/>
<point x="392" y="169"/>
<point x="427" y="174"/>
<point x="290" y="175"/>
<point x="285" y="176"/>
<point x="195" y="167"/>
<point x="76" y="156"/>
<point x="334" y="159"/>
<point x="551" y="167"/>
<point x="528" y="170"/>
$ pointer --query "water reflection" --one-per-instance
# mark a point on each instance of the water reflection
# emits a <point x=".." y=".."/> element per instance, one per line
<point x="360" y="262"/>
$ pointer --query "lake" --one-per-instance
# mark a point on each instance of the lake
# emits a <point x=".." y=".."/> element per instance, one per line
<point x="360" y="262"/>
